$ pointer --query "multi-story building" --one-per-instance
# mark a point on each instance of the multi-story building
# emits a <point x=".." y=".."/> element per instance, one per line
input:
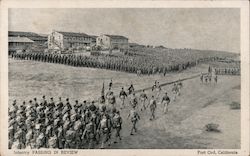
<point x="38" y="39"/>
<point x="19" y="44"/>
<point x="67" y="40"/>
<point x="112" y="42"/>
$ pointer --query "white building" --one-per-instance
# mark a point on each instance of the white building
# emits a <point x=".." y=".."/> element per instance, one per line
<point x="69" y="40"/>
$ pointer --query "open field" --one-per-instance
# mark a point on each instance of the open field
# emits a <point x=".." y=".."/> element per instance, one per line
<point x="183" y="126"/>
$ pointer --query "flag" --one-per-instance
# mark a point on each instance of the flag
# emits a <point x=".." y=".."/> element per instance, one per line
<point x="102" y="93"/>
<point x="102" y="100"/>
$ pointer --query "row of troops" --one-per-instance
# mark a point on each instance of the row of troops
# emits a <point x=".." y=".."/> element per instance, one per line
<point x="141" y="65"/>
<point x="81" y="125"/>
<point x="227" y="71"/>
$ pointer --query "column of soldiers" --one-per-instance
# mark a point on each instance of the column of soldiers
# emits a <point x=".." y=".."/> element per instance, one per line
<point x="62" y="125"/>
<point x="143" y="65"/>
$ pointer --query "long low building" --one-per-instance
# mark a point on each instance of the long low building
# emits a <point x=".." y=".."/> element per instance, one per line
<point x="66" y="40"/>
<point x="19" y="44"/>
<point x="38" y="39"/>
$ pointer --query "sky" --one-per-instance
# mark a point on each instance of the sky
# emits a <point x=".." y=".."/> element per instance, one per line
<point x="204" y="28"/>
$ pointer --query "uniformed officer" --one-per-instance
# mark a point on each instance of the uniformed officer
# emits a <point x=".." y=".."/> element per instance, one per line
<point x="165" y="101"/>
<point x="122" y="96"/>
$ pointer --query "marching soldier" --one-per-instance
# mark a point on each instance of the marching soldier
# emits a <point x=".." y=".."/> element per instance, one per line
<point x="52" y="142"/>
<point x="59" y="105"/>
<point x="105" y="129"/>
<point x="143" y="98"/>
<point x="14" y="107"/>
<point x="109" y="93"/>
<point x="29" y="137"/>
<point x="158" y="90"/>
<point x="51" y="105"/>
<point x="70" y="138"/>
<point x="134" y="117"/>
<point x="152" y="106"/>
<point x="201" y="77"/>
<point x="44" y="102"/>
<point x="36" y="103"/>
<point x="175" y="91"/>
<point x="60" y="136"/>
<point x="89" y="133"/>
<point x="11" y="136"/>
<point x="112" y="100"/>
<point x="165" y="101"/>
<point x="68" y="105"/>
<point x="117" y="125"/>
<point x="179" y="86"/>
<point x="78" y="129"/>
<point x="110" y="83"/>
<point x="40" y="140"/>
<point x="215" y="79"/>
<point x="154" y="86"/>
<point x="122" y="96"/>
<point x="131" y="89"/>
<point x="134" y="101"/>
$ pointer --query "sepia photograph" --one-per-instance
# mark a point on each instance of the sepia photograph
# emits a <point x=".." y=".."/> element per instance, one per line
<point x="124" y="78"/>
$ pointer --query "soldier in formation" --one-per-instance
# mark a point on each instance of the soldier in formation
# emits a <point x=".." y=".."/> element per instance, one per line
<point x="62" y="125"/>
<point x="134" y="118"/>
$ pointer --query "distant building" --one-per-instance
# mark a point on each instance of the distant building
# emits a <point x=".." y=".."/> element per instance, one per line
<point x="112" y="42"/>
<point x="135" y="45"/>
<point x="30" y="35"/>
<point x="160" y="47"/>
<point x="69" y="40"/>
<point x="19" y="44"/>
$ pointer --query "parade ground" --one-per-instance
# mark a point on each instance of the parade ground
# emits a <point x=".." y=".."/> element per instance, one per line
<point x="183" y="127"/>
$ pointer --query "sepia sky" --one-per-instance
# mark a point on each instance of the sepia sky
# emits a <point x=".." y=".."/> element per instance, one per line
<point x="215" y="29"/>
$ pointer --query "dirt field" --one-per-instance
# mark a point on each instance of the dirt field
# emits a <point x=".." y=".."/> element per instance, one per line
<point x="183" y="126"/>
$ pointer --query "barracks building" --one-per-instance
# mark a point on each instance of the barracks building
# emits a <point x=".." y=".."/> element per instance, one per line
<point x="112" y="42"/>
<point x="66" y="40"/>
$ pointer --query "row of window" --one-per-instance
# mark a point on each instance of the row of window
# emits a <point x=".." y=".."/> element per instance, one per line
<point x="78" y="38"/>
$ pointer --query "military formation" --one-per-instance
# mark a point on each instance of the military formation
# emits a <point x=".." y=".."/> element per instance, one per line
<point x="59" y="123"/>
<point x="49" y="124"/>
<point x="142" y="65"/>
<point x="63" y="124"/>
